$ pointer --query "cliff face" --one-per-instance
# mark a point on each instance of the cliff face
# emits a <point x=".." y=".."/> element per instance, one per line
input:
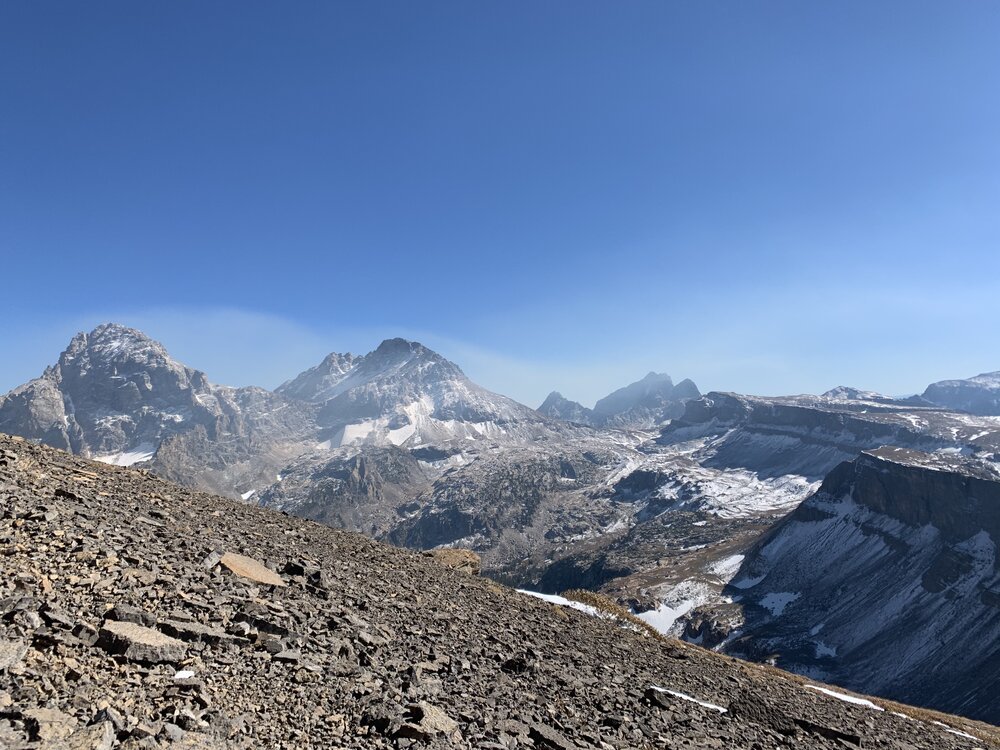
<point x="885" y="580"/>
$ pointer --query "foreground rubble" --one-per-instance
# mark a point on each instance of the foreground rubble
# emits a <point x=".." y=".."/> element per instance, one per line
<point x="134" y="613"/>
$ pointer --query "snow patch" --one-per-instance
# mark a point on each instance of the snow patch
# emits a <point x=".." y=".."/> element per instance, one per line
<point x="776" y="601"/>
<point x="727" y="567"/>
<point x="822" y="650"/>
<point x="141" y="452"/>
<point x="676" y="603"/>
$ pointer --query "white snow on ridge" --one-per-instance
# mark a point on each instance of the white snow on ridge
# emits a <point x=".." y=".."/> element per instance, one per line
<point x="141" y="452"/>
<point x="844" y="697"/>
<point x="686" y="697"/>
<point x="953" y="731"/>
<point x="563" y="602"/>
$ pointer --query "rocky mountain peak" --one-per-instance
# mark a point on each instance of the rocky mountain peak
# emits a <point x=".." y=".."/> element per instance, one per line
<point x="116" y="395"/>
<point x="111" y="347"/>
<point x="912" y="537"/>
<point x="412" y="357"/>
<point x="558" y="406"/>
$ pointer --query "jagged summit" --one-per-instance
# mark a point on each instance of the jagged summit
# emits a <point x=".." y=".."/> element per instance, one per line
<point x="317" y="383"/>
<point x="116" y="395"/>
<point x="112" y="390"/>
<point x="644" y="404"/>
<point x="558" y="406"/>
<point x="403" y="392"/>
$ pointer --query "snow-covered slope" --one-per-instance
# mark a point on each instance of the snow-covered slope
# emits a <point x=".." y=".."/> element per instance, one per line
<point x="885" y="580"/>
<point x="978" y="395"/>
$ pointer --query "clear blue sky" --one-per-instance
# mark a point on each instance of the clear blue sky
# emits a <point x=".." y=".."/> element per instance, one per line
<point x="764" y="196"/>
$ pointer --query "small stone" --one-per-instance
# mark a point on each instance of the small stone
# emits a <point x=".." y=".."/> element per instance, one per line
<point x="422" y="721"/>
<point x="247" y="567"/>
<point x="173" y="732"/>
<point x="125" y="613"/>
<point x="11" y="653"/>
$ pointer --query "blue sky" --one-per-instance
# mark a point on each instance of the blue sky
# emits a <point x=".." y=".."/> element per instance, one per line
<point x="768" y="197"/>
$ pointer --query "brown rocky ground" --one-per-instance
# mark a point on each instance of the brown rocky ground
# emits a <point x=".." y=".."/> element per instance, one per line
<point x="134" y="613"/>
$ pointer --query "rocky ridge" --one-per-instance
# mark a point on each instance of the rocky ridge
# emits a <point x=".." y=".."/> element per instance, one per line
<point x="136" y="613"/>
<point x="979" y="395"/>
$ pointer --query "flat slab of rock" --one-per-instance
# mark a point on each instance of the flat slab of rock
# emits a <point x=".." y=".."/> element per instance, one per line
<point x="247" y="567"/>
<point x="11" y="653"/>
<point x="464" y="560"/>
<point x="139" y="643"/>
<point x="100" y="736"/>
<point x="49" y="724"/>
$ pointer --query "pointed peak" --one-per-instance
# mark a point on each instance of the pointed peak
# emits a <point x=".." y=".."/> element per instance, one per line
<point x="400" y="345"/>
<point x="552" y="399"/>
<point x="399" y="350"/>
<point x="113" y="342"/>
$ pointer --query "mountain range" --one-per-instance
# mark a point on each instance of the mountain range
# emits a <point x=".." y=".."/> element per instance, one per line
<point x="721" y="518"/>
